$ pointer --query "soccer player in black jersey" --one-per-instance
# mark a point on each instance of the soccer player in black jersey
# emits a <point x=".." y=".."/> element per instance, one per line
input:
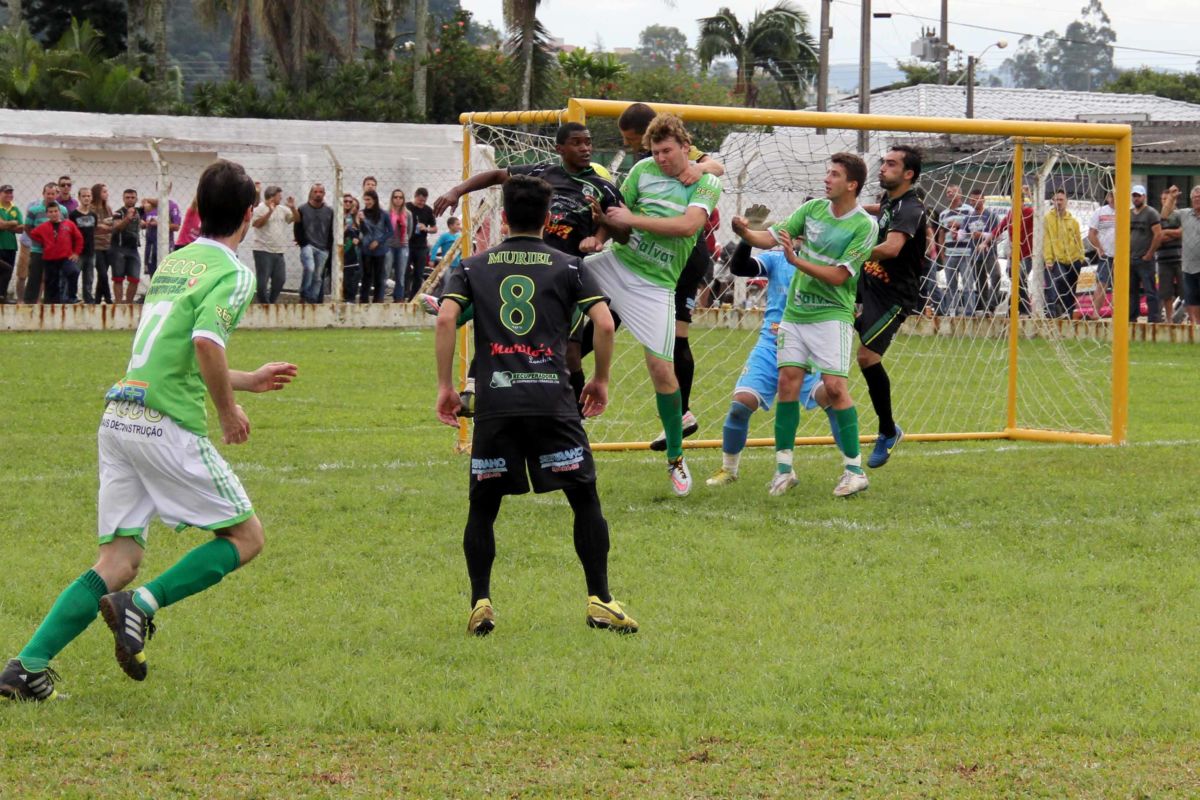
<point x="527" y="426"/>
<point x="889" y="289"/>
<point x="578" y="188"/>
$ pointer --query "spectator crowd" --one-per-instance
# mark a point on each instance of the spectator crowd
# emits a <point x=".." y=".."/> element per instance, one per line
<point x="74" y="247"/>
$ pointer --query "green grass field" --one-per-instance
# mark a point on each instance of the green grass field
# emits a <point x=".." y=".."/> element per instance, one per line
<point x="990" y="619"/>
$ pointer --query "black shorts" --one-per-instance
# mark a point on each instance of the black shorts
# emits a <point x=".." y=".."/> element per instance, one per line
<point x="879" y="321"/>
<point x="698" y="263"/>
<point x="554" y="451"/>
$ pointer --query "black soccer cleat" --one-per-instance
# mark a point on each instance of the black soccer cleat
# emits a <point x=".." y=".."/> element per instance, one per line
<point x="20" y="684"/>
<point x="131" y="628"/>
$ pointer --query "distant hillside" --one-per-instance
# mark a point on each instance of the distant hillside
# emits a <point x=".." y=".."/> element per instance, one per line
<point x="844" y="77"/>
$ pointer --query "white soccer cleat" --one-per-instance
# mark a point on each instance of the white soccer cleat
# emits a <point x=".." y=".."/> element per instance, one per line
<point x="850" y="483"/>
<point x="782" y="482"/>
<point x="681" y="477"/>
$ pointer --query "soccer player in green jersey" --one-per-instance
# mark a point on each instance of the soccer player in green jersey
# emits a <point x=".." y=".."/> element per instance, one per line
<point x="155" y="456"/>
<point x="654" y="233"/>
<point x="835" y="236"/>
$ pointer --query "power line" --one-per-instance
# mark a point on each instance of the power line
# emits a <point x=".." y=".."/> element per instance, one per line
<point x="1035" y="35"/>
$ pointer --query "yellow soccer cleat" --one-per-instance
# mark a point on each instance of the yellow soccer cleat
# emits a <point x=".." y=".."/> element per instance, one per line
<point x="483" y="618"/>
<point x="721" y="477"/>
<point x="609" y="615"/>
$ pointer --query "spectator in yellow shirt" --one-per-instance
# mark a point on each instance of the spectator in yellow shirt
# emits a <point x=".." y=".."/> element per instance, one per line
<point x="1063" y="251"/>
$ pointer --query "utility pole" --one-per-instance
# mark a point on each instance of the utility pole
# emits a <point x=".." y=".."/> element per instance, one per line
<point x="864" y="73"/>
<point x="944" y="44"/>
<point x="823" y="58"/>
<point x="971" y="86"/>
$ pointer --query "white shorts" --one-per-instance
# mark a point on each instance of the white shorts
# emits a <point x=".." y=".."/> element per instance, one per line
<point x="645" y="308"/>
<point x="825" y="346"/>
<point x="150" y="466"/>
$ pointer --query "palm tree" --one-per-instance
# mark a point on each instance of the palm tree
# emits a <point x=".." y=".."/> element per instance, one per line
<point x="241" y="43"/>
<point x="520" y="17"/>
<point x="775" y="41"/>
<point x="352" y="26"/>
<point x="295" y="28"/>
<point x="292" y="29"/>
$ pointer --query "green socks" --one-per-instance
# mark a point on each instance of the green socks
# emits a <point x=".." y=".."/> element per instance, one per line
<point x="847" y="421"/>
<point x="70" y="615"/>
<point x="787" y="420"/>
<point x="79" y="603"/>
<point x="200" y="568"/>
<point x="670" y="411"/>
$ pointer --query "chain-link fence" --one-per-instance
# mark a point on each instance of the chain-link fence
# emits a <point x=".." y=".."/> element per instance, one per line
<point x="145" y="174"/>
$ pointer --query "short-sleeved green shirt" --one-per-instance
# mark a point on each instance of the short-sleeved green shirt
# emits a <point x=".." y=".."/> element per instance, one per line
<point x="828" y="240"/>
<point x="200" y="291"/>
<point x="651" y="193"/>
<point x="8" y="239"/>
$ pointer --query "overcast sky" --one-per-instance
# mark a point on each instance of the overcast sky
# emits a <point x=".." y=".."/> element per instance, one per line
<point x="1151" y="25"/>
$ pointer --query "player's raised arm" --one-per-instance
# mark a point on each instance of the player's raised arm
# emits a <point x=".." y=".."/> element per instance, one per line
<point x="742" y="263"/>
<point x="493" y="177"/>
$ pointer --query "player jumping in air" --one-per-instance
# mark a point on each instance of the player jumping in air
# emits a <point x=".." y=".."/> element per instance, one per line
<point x="889" y="288"/>
<point x="759" y="380"/>
<point x="654" y="234"/>
<point x="525" y="294"/>
<point x="155" y="456"/>
<point x="816" y="333"/>
<point x="633" y="123"/>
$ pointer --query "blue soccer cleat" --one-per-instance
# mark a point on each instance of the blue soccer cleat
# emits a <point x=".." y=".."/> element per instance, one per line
<point x="883" y="449"/>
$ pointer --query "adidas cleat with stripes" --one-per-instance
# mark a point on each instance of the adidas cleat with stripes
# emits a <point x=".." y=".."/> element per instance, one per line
<point x="609" y="616"/>
<point x="131" y="628"/>
<point x="20" y="684"/>
<point x="483" y="618"/>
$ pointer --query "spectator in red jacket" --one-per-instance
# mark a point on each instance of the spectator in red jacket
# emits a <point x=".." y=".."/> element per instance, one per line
<point x="1026" y="247"/>
<point x="60" y="241"/>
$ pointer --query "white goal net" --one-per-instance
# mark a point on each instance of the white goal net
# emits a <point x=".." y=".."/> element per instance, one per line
<point x="951" y="364"/>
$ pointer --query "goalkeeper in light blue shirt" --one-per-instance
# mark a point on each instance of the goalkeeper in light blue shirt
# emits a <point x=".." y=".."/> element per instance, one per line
<point x="759" y="380"/>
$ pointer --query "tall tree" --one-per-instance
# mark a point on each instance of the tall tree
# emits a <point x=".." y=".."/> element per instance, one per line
<point x="775" y="41"/>
<point x="352" y="27"/>
<point x="156" y="30"/>
<point x="420" y="59"/>
<point x="660" y="45"/>
<point x="383" y="28"/>
<point x="1079" y="59"/>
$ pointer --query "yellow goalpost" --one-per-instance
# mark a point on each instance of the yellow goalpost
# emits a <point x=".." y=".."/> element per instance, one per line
<point x="1020" y="134"/>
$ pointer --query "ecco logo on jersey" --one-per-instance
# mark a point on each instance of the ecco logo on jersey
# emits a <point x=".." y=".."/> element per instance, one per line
<point x="189" y="268"/>
<point x="562" y="461"/>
